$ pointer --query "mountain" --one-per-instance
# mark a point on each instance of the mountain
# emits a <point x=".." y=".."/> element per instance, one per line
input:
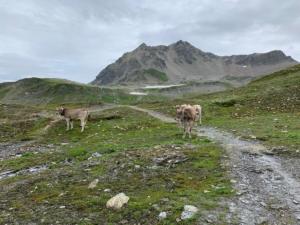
<point x="181" y="61"/>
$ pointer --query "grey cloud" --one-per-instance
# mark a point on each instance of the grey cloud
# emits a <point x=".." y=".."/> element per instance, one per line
<point x="75" y="39"/>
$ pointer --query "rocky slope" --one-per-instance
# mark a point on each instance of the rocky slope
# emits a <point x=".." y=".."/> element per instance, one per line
<point x="182" y="61"/>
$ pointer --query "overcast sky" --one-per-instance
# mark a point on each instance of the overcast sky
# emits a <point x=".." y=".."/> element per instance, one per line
<point x="75" y="39"/>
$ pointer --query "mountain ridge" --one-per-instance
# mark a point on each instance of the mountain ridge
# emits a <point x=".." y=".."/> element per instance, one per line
<point x="182" y="62"/>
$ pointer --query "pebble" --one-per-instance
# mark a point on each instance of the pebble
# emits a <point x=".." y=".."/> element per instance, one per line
<point x="189" y="212"/>
<point x="162" y="215"/>
<point x="137" y="166"/>
<point x="107" y="190"/>
<point x="96" y="154"/>
<point x="93" y="184"/>
<point x="233" y="181"/>
<point x="278" y="177"/>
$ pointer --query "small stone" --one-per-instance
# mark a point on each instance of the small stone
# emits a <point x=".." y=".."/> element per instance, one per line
<point x="107" y="190"/>
<point x="262" y="220"/>
<point x="123" y="221"/>
<point x="233" y="181"/>
<point x="137" y="166"/>
<point x="96" y="154"/>
<point x="156" y="206"/>
<point x="162" y="215"/>
<point x="278" y="177"/>
<point x="211" y="218"/>
<point x="245" y="201"/>
<point x="189" y="212"/>
<point x="62" y="207"/>
<point x="165" y="199"/>
<point x="117" y="201"/>
<point x="295" y="202"/>
<point x="277" y="206"/>
<point x="93" y="184"/>
<point x="263" y="204"/>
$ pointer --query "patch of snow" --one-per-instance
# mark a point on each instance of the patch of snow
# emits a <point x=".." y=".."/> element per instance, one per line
<point x="162" y="86"/>
<point x="137" y="93"/>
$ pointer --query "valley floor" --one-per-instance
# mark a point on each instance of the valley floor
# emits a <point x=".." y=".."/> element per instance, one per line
<point x="45" y="179"/>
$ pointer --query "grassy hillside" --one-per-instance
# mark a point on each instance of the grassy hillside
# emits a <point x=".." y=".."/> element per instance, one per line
<point x="36" y="91"/>
<point x="156" y="74"/>
<point x="267" y="109"/>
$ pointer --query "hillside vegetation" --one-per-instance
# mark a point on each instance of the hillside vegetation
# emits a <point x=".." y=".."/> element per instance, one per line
<point x="267" y="109"/>
<point x="37" y="91"/>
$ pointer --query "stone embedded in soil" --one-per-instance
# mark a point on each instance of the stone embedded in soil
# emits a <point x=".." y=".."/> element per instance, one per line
<point x="189" y="212"/>
<point x="162" y="215"/>
<point x="117" y="201"/>
<point x="93" y="184"/>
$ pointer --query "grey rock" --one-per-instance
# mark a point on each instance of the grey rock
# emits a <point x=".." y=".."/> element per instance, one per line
<point x="162" y="215"/>
<point x="189" y="212"/>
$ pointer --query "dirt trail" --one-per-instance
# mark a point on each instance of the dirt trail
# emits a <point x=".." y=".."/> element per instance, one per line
<point x="267" y="191"/>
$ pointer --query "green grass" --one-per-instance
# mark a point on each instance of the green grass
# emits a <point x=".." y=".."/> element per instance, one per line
<point x="161" y="76"/>
<point x="267" y="108"/>
<point x="126" y="139"/>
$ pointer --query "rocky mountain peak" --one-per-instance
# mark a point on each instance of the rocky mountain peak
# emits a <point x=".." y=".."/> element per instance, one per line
<point x="142" y="46"/>
<point x="181" y="61"/>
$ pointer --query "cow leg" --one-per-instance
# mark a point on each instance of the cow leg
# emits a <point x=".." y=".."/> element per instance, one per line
<point x="190" y="129"/>
<point x="71" y="123"/>
<point x="200" y="118"/>
<point x="82" y="125"/>
<point x="68" y="124"/>
<point x="184" y="129"/>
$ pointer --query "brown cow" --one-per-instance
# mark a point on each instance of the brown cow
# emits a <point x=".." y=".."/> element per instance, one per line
<point x="198" y="109"/>
<point x="189" y="115"/>
<point x="74" y="114"/>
